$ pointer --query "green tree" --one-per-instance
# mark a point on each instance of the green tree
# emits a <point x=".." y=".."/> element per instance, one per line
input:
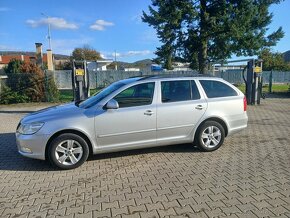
<point x="209" y="30"/>
<point x="86" y="53"/>
<point x="67" y="65"/>
<point x="14" y="66"/>
<point x="167" y="21"/>
<point x="273" y="60"/>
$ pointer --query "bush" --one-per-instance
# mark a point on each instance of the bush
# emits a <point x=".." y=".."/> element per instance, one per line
<point x="25" y="83"/>
<point x="52" y="93"/>
<point x="11" y="97"/>
<point x="35" y="82"/>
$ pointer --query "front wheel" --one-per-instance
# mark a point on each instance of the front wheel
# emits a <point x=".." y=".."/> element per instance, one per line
<point x="210" y="136"/>
<point x="68" y="151"/>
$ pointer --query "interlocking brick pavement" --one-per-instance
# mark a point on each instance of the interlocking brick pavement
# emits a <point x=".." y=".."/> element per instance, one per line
<point x="249" y="176"/>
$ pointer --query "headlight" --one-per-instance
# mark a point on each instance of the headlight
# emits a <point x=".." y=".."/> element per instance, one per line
<point x="30" y="128"/>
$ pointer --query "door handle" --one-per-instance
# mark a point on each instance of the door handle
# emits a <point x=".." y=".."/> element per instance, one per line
<point x="148" y="112"/>
<point x="199" y="107"/>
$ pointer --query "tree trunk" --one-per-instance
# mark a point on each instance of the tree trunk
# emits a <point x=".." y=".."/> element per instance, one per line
<point x="202" y="57"/>
<point x="168" y="62"/>
<point x="202" y="53"/>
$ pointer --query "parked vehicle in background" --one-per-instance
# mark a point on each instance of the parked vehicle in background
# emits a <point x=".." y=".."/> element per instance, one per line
<point x="132" y="114"/>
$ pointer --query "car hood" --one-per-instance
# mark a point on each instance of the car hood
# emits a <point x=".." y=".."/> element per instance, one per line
<point x="51" y="113"/>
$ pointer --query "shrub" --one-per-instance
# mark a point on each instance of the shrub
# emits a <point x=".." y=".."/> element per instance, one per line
<point x="10" y="97"/>
<point x="25" y="83"/>
<point x="51" y="91"/>
<point x="35" y="82"/>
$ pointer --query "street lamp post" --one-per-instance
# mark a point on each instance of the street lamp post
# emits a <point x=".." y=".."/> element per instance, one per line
<point x="49" y="35"/>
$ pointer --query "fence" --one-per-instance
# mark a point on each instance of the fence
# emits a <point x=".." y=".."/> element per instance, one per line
<point x="235" y="76"/>
<point x="99" y="79"/>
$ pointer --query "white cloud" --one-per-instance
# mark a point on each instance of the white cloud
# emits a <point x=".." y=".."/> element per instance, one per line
<point x="8" y="48"/>
<point x="101" y="25"/>
<point x="126" y="54"/>
<point x="55" y="22"/>
<point x="137" y="53"/>
<point x="3" y="9"/>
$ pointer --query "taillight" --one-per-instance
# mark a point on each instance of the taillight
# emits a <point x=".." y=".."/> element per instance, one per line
<point x="245" y="103"/>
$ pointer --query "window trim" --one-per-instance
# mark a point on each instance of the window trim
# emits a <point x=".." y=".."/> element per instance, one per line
<point x="197" y="88"/>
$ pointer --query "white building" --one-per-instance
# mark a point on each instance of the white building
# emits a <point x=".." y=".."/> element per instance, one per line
<point x="131" y="69"/>
<point x="99" y="65"/>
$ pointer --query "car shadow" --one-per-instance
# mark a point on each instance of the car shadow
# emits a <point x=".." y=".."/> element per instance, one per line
<point x="16" y="112"/>
<point x="11" y="160"/>
<point x="180" y="148"/>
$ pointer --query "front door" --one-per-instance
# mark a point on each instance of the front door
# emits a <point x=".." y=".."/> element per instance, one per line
<point x="133" y="123"/>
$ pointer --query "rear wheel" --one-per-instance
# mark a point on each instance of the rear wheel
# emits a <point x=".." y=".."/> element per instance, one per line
<point x="210" y="136"/>
<point x="68" y="151"/>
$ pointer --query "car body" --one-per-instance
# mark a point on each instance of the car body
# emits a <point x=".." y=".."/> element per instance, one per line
<point x="136" y="113"/>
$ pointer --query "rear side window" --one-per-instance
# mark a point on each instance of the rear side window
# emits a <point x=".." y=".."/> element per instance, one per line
<point x="215" y="89"/>
<point x="182" y="90"/>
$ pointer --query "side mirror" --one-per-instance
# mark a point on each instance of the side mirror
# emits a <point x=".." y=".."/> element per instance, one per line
<point x="112" y="104"/>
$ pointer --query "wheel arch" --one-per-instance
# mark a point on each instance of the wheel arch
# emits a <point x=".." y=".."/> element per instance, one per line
<point x="73" y="131"/>
<point x="217" y="119"/>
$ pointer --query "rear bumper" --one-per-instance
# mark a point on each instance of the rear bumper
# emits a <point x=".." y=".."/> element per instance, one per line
<point x="32" y="146"/>
<point x="238" y="124"/>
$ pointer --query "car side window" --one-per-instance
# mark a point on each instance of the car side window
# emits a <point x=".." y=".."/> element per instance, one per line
<point x="138" y="95"/>
<point x="215" y="89"/>
<point x="172" y="91"/>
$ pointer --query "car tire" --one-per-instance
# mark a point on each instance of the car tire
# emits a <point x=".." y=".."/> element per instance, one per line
<point x="68" y="151"/>
<point x="210" y="136"/>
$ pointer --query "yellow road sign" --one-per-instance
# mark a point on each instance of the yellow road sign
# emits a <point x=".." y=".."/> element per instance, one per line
<point x="258" y="69"/>
<point x="80" y="72"/>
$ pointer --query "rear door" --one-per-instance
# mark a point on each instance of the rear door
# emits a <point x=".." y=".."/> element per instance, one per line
<point x="180" y="108"/>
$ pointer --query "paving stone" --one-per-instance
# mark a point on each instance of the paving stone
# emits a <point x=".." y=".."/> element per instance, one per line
<point x="102" y="213"/>
<point x="119" y="211"/>
<point x="249" y="176"/>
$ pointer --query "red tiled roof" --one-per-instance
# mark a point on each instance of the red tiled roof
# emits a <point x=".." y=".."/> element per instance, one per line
<point x="26" y="58"/>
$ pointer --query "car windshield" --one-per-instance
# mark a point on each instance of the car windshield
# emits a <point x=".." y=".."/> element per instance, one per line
<point x="93" y="100"/>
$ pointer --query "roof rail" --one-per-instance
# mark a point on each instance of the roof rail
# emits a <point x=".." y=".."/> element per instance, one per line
<point x="160" y="76"/>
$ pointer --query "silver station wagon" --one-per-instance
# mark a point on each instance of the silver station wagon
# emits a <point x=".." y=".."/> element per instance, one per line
<point x="135" y="113"/>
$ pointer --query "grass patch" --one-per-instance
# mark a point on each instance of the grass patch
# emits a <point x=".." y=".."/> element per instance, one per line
<point x="276" y="88"/>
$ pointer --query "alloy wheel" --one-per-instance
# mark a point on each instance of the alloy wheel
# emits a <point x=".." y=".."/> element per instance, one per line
<point x="68" y="152"/>
<point x="211" y="136"/>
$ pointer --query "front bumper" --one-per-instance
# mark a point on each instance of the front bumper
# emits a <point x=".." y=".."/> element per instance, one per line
<point x="32" y="146"/>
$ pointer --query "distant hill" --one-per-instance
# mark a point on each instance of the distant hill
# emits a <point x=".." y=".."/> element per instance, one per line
<point x="287" y="56"/>
<point x="139" y="64"/>
<point x="30" y="53"/>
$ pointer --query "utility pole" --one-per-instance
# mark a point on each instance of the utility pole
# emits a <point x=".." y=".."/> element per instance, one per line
<point x="116" y="67"/>
<point x="49" y="34"/>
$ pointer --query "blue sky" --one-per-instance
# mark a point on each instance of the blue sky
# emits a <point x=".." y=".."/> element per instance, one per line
<point x="106" y="25"/>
